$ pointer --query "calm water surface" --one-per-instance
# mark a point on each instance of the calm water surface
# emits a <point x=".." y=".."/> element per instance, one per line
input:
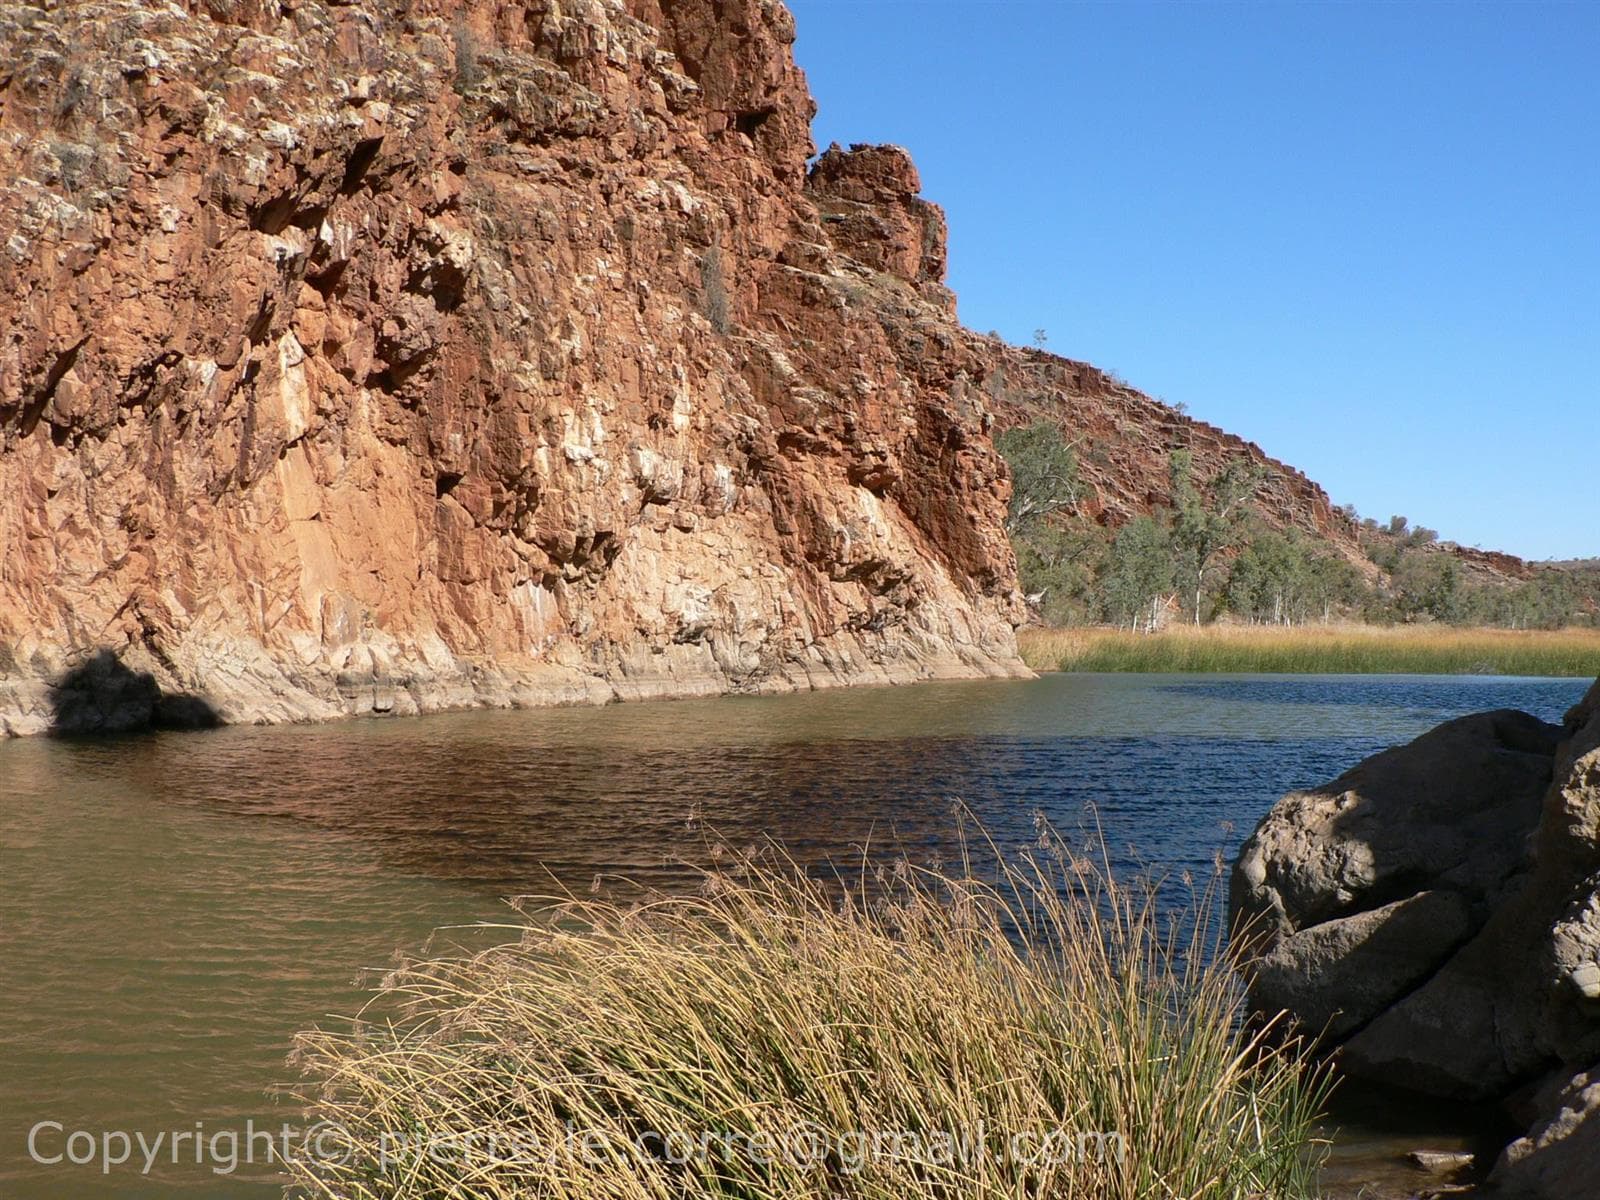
<point x="174" y="907"/>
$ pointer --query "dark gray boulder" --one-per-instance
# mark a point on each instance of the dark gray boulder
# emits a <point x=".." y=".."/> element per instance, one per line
<point x="1433" y="915"/>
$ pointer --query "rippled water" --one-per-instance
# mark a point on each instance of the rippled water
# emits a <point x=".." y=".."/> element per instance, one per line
<point x="174" y="907"/>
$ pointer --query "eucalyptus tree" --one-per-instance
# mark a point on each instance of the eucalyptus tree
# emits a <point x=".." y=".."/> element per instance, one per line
<point x="1138" y="576"/>
<point x="1044" y="473"/>
<point x="1207" y="524"/>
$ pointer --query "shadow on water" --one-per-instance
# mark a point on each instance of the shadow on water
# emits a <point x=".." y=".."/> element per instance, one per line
<point x="1370" y="1125"/>
<point x="105" y="695"/>
<point x="506" y="802"/>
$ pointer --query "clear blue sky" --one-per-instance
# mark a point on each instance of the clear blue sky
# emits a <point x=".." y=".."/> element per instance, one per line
<point x="1365" y="237"/>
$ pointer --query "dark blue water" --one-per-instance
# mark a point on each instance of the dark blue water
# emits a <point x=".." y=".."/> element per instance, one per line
<point x="177" y="906"/>
<point x="1174" y="770"/>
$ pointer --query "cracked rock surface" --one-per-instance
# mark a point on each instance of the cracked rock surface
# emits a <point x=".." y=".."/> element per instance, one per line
<point x="394" y="356"/>
<point x="400" y="356"/>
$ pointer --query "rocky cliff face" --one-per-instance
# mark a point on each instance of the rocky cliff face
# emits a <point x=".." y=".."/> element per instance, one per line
<point x="1434" y="915"/>
<point x="394" y="356"/>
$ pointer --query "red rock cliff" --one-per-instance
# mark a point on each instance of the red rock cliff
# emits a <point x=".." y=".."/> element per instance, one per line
<point x="388" y="356"/>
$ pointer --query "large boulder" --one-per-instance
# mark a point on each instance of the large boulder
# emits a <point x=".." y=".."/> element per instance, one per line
<point x="1336" y="976"/>
<point x="1560" y="1154"/>
<point x="1433" y="916"/>
<point x="1452" y="810"/>
<point x="1516" y="998"/>
<point x="1585" y="709"/>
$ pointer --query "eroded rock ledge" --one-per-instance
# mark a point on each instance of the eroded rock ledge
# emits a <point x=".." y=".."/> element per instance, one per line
<point x="399" y="356"/>
<point x="1435" y="915"/>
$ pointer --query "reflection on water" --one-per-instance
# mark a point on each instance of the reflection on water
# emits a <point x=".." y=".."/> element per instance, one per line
<point x="173" y="907"/>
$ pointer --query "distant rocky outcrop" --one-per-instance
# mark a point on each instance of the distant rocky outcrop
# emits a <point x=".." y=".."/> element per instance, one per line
<point x="1434" y="915"/>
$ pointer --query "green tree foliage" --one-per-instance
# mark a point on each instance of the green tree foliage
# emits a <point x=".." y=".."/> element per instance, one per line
<point x="1044" y="473"/>
<point x="1059" y="567"/>
<point x="1206" y="524"/>
<point x="1213" y="552"/>
<point x="1382" y="548"/>
<point x="1138" y="574"/>
<point x="1058" y="561"/>
<point x="1429" y="586"/>
<point x="1281" y="579"/>
<point x="1551" y="599"/>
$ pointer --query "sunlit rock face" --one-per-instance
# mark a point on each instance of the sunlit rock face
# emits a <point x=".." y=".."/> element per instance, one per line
<point x="391" y="357"/>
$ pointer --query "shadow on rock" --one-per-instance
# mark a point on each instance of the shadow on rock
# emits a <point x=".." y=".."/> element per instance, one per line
<point x="104" y="695"/>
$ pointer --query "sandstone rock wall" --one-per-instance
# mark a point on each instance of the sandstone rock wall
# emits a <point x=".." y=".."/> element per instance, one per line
<point x="395" y="356"/>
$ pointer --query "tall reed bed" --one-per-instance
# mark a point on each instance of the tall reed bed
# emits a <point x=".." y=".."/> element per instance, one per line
<point x="1039" y="1031"/>
<point x="1332" y="650"/>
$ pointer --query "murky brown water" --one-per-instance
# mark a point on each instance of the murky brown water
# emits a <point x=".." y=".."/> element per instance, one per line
<point x="174" y="907"/>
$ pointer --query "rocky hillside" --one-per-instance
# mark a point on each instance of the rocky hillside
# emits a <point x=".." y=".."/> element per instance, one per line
<point x="1124" y="439"/>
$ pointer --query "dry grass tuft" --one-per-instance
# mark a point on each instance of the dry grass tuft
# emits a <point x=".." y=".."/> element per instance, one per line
<point x="777" y="1038"/>
<point x="1317" y="650"/>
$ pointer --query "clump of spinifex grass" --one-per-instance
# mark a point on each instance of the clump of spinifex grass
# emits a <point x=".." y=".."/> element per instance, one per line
<point x="1330" y="650"/>
<point x="1047" y="1033"/>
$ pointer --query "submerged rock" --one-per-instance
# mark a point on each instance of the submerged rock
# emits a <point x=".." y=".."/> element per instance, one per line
<point x="1434" y="916"/>
<point x="1441" y="1162"/>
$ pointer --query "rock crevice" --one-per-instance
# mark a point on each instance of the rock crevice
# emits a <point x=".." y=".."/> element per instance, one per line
<point x="391" y="356"/>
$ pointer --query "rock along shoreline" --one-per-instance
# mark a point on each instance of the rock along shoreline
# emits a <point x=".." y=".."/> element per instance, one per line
<point x="1434" y="914"/>
<point x="110" y="693"/>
